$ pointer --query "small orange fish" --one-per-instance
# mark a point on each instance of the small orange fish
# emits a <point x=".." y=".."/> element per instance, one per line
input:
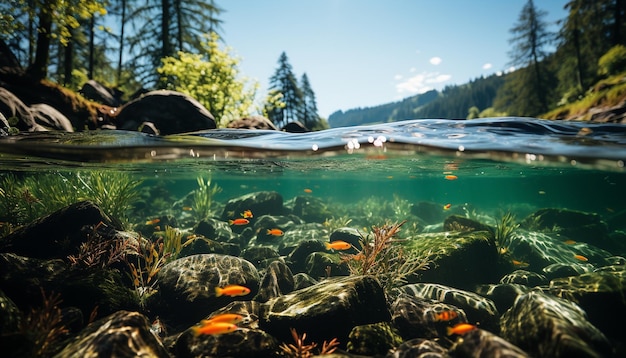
<point x="569" y="242"/>
<point x="275" y="232"/>
<point x="214" y="328"/>
<point x="240" y="221"/>
<point x="187" y="208"/>
<point x="581" y="258"/>
<point x="520" y="263"/>
<point x="247" y="214"/>
<point x="308" y="191"/>
<point x="224" y="318"/>
<point x="447" y="206"/>
<point x="232" y="290"/>
<point x="337" y="245"/>
<point x="446" y="316"/>
<point x="460" y="329"/>
<point x="451" y="177"/>
<point x="153" y="221"/>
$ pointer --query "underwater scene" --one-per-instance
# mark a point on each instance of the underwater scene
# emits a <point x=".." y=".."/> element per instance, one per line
<point x="422" y="238"/>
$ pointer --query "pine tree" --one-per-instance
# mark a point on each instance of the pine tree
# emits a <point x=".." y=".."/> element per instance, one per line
<point x="309" y="113"/>
<point x="283" y="83"/>
<point x="530" y="36"/>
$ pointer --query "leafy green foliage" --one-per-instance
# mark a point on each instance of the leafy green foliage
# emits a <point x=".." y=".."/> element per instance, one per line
<point x="213" y="79"/>
<point x="613" y="62"/>
<point x="505" y="228"/>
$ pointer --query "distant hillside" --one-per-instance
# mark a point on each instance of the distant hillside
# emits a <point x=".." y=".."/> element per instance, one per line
<point x="452" y="102"/>
<point x="383" y="113"/>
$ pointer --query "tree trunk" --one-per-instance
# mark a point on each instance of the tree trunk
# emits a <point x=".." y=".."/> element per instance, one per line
<point x="39" y="68"/>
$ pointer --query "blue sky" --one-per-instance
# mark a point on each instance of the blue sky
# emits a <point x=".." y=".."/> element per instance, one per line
<point x="361" y="53"/>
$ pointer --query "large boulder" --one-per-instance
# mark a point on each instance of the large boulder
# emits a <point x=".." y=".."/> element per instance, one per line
<point x="169" y="111"/>
<point x="252" y="122"/>
<point x="97" y="92"/>
<point x="49" y="118"/>
<point x="18" y="112"/>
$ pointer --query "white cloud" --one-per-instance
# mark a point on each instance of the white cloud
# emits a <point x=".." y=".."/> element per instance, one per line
<point x="487" y="66"/>
<point x="422" y="82"/>
<point x="397" y="77"/>
<point x="435" y="60"/>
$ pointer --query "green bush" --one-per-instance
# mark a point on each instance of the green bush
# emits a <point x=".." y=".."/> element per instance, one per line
<point x="613" y="61"/>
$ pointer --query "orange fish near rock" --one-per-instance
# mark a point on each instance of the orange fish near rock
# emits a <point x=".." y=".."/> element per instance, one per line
<point x="451" y="177"/>
<point x="275" y="232"/>
<point x="446" y="316"/>
<point x="214" y="328"/>
<point x="581" y="258"/>
<point x="153" y="221"/>
<point x="337" y="245"/>
<point x="461" y="329"/>
<point x="447" y="206"/>
<point x="231" y="290"/>
<point x="232" y="318"/>
<point x="241" y="221"/>
<point x="247" y="214"/>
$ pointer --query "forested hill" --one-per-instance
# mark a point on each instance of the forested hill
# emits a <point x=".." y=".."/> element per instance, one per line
<point x="462" y="101"/>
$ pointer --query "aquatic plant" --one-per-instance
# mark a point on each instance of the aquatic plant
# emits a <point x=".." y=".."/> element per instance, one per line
<point x="302" y="350"/>
<point x="505" y="228"/>
<point x="43" y="326"/>
<point x="98" y="250"/>
<point x="334" y="223"/>
<point x="202" y="198"/>
<point x="150" y="257"/>
<point x="173" y="242"/>
<point x="383" y="255"/>
<point x="23" y="200"/>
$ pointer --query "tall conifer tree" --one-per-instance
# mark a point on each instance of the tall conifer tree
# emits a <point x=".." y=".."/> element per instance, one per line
<point x="284" y="82"/>
<point x="309" y="113"/>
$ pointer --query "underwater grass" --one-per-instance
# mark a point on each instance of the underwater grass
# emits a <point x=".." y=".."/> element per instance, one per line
<point x="202" y="199"/>
<point x="23" y="200"/>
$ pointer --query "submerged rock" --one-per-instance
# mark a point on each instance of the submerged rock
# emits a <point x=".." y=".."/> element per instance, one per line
<point x="326" y="310"/>
<point x="259" y="203"/>
<point x="56" y="235"/>
<point x="477" y="308"/>
<point x="122" y="334"/>
<point x="373" y="339"/>
<point x="481" y="343"/>
<point x="419" y="348"/>
<point x="546" y="326"/>
<point x="416" y="317"/>
<point x="572" y="224"/>
<point x="186" y="288"/>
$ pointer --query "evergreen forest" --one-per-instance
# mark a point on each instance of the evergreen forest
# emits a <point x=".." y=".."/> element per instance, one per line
<point x="176" y="44"/>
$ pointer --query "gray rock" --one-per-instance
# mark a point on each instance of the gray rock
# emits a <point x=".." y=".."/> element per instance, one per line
<point x="419" y="348"/>
<point x="545" y="326"/>
<point x="14" y="110"/>
<point x="186" y="288"/>
<point x="415" y="317"/>
<point x="252" y="122"/>
<point x="481" y="343"/>
<point x="122" y="334"/>
<point x="170" y="112"/>
<point x="49" y="118"/>
<point x="278" y="280"/>
<point x="326" y="310"/>
<point x="95" y="91"/>
<point x="476" y="307"/>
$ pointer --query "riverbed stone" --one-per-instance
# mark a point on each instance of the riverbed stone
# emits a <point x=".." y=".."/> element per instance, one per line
<point x="546" y="326"/>
<point x="326" y="310"/>
<point x="476" y="307"/>
<point x="186" y="286"/>
<point x="122" y="334"/>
